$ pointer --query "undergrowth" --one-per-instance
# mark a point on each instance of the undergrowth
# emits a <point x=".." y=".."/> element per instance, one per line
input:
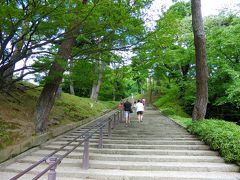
<point x="220" y="135"/>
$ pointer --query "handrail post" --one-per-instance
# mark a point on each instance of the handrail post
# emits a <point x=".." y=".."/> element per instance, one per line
<point x="100" y="142"/>
<point x="85" y="160"/>
<point x="52" y="172"/>
<point x="114" y="120"/>
<point x="118" y="116"/>
<point x="109" y="128"/>
<point x="121" y="115"/>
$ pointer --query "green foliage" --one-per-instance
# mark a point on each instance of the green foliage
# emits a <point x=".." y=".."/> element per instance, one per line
<point x="220" y="135"/>
<point x="169" y="55"/>
<point x="223" y="59"/>
<point x="82" y="76"/>
<point x="183" y="121"/>
<point x="169" y="103"/>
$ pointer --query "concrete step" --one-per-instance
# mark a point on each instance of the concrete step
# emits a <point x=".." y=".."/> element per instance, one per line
<point x="77" y="172"/>
<point x="79" y="150"/>
<point x="100" y="174"/>
<point x="140" y="131"/>
<point x="163" y="166"/>
<point x="132" y="146"/>
<point x="133" y="158"/>
<point x="28" y="176"/>
<point x="136" y="138"/>
<point x="126" y="130"/>
<point x="137" y="142"/>
<point x="141" y="134"/>
<point x="142" y="166"/>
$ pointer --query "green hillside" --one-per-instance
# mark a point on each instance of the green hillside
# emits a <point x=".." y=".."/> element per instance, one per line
<point x="16" y="110"/>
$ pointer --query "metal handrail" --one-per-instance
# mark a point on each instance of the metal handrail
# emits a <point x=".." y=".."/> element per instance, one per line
<point x="86" y="135"/>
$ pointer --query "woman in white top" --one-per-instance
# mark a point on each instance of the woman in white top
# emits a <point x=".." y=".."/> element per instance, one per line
<point x="139" y="110"/>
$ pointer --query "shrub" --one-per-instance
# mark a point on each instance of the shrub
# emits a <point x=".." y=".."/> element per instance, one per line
<point x="220" y="135"/>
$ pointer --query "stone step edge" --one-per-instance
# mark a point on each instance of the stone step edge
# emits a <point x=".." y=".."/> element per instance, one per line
<point x="135" y="158"/>
<point x="125" y="174"/>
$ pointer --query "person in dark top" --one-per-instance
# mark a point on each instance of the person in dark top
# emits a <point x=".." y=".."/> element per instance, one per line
<point x="127" y="108"/>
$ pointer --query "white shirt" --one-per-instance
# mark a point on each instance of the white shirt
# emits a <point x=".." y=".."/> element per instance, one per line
<point x="139" y="107"/>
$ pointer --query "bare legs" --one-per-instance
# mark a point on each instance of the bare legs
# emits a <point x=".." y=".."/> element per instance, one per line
<point x="127" y="115"/>
<point x="140" y="117"/>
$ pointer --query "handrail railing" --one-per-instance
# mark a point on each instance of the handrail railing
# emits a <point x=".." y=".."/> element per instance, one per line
<point x="85" y="136"/>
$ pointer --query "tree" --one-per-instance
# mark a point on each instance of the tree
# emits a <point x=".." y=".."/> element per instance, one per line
<point x="200" y="106"/>
<point x="88" y="23"/>
<point x="222" y="32"/>
<point x="47" y="97"/>
<point x="26" y="27"/>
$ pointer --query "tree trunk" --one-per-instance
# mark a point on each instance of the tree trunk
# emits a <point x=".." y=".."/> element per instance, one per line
<point x="157" y="87"/>
<point x="200" y="106"/>
<point x="150" y="93"/>
<point x="97" y="84"/>
<point x="71" y="87"/>
<point x="7" y="75"/>
<point x="59" y="91"/>
<point x="93" y="92"/>
<point x="48" y="94"/>
<point x="114" y="90"/>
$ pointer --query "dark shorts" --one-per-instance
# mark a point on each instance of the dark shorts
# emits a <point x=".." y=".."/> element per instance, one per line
<point x="140" y="112"/>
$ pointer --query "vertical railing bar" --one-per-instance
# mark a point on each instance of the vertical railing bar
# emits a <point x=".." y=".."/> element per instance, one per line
<point x="109" y="128"/>
<point x="52" y="170"/>
<point x="85" y="160"/>
<point x="114" y="120"/>
<point x="120" y="116"/>
<point x="100" y="142"/>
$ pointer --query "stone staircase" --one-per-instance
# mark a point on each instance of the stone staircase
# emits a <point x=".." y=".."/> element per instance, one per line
<point x="155" y="149"/>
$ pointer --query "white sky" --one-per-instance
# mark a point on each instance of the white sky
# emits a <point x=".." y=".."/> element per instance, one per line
<point x="209" y="7"/>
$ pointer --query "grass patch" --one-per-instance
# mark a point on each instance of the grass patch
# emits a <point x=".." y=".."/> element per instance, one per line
<point x="170" y="106"/>
<point x="69" y="108"/>
<point x="221" y="136"/>
<point x="17" y="107"/>
<point x="7" y="133"/>
<point x="183" y="121"/>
